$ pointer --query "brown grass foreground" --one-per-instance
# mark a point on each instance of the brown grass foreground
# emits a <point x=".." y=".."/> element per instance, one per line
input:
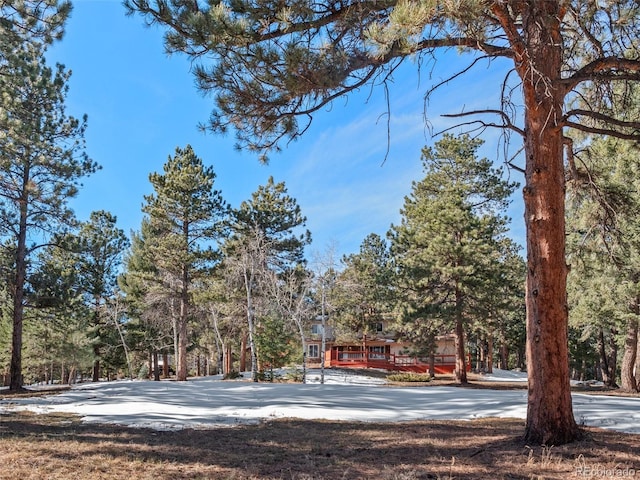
<point x="61" y="447"/>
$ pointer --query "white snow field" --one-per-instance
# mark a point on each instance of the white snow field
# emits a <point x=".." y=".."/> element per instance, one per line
<point x="211" y="402"/>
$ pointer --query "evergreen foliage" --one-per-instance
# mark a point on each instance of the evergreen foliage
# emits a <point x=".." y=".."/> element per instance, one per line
<point x="276" y="215"/>
<point x="101" y="247"/>
<point x="146" y="300"/>
<point x="264" y="240"/>
<point x="603" y="249"/>
<point x="41" y="20"/>
<point x="447" y="248"/>
<point x="56" y="329"/>
<point x="42" y="153"/>
<point x="275" y="343"/>
<point x="504" y="309"/>
<point x="450" y="266"/>
<point x="186" y="218"/>
<point x="363" y="294"/>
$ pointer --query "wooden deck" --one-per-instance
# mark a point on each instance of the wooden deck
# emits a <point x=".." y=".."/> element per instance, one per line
<point x="444" y="364"/>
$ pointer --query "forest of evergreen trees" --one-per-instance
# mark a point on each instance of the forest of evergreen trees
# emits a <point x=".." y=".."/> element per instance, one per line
<point x="203" y="281"/>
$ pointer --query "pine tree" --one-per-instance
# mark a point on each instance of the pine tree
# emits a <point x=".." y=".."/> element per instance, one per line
<point x="186" y="216"/>
<point x="604" y="250"/>
<point x="504" y="306"/>
<point x="363" y="288"/>
<point x="56" y="337"/>
<point x="273" y="65"/>
<point x="41" y="161"/>
<point x="275" y="344"/>
<point x="102" y="245"/>
<point x="264" y="239"/>
<point x="446" y="247"/>
<point x="41" y="20"/>
<point x="277" y="216"/>
<point x="146" y="298"/>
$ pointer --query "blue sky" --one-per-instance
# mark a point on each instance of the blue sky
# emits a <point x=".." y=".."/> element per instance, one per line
<point x="143" y="104"/>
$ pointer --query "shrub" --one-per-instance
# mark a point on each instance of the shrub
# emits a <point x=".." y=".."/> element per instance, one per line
<point x="143" y="372"/>
<point x="269" y="376"/>
<point x="409" y="377"/>
<point x="294" y="376"/>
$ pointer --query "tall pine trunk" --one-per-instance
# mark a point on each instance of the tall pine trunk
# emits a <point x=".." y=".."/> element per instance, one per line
<point x="461" y="366"/>
<point x="175" y="325"/>
<point x="183" y="320"/>
<point x="15" y="369"/>
<point x="637" y="369"/>
<point x="504" y="352"/>
<point x="181" y="374"/>
<point x="96" y="346"/>
<point x="490" y="343"/>
<point x="95" y="377"/>
<point x="608" y="360"/>
<point x="627" y="376"/>
<point x="155" y="366"/>
<point x="165" y="364"/>
<point x="228" y="360"/>
<point x="550" y="417"/>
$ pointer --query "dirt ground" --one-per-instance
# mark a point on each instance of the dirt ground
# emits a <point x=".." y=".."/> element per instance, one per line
<point x="61" y="447"/>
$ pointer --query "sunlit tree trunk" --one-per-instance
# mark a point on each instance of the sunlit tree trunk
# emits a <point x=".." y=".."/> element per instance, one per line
<point x="461" y="366"/>
<point x="627" y="377"/>
<point x="183" y="321"/>
<point x="71" y="378"/>
<point x="550" y="417"/>
<point x="504" y="353"/>
<point x="96" y="345"/>
<point x="15" y="371"/>
<point x="637" y="367"/>
<point x="228" y="360"/>
<point x="176" y="335"/>
<point x="165" y="364"/>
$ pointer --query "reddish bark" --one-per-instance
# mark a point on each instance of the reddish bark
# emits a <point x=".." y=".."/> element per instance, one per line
<point x="490" y="353"/>
<point x="15" y="368"/>
<point x="550" y="417"/>
<point x="629" y="360"/>
<point x="461" y="367"/>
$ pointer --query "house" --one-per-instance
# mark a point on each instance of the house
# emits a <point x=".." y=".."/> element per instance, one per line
<point x="380" y="349"/>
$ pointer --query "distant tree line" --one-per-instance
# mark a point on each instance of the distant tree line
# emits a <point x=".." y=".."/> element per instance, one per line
<point x="205" y="288"/>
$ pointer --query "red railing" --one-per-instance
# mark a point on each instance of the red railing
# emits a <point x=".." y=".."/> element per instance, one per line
<point x="390" y="361"/>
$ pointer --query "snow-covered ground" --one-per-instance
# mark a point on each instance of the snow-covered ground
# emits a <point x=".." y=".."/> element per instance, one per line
<point x="206" y="402"/>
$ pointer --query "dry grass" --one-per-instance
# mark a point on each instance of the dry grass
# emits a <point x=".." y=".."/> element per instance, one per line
<point x="61" y="447"/>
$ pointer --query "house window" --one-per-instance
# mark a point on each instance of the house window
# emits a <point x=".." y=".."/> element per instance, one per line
<point x="313" y="351"/>
<point x="376" y="353"/>
<point x="316" y="329"/>
<point x="379" y="327"/>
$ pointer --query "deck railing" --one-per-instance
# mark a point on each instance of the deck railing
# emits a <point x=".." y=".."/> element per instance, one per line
<point x="390" y="361"/>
